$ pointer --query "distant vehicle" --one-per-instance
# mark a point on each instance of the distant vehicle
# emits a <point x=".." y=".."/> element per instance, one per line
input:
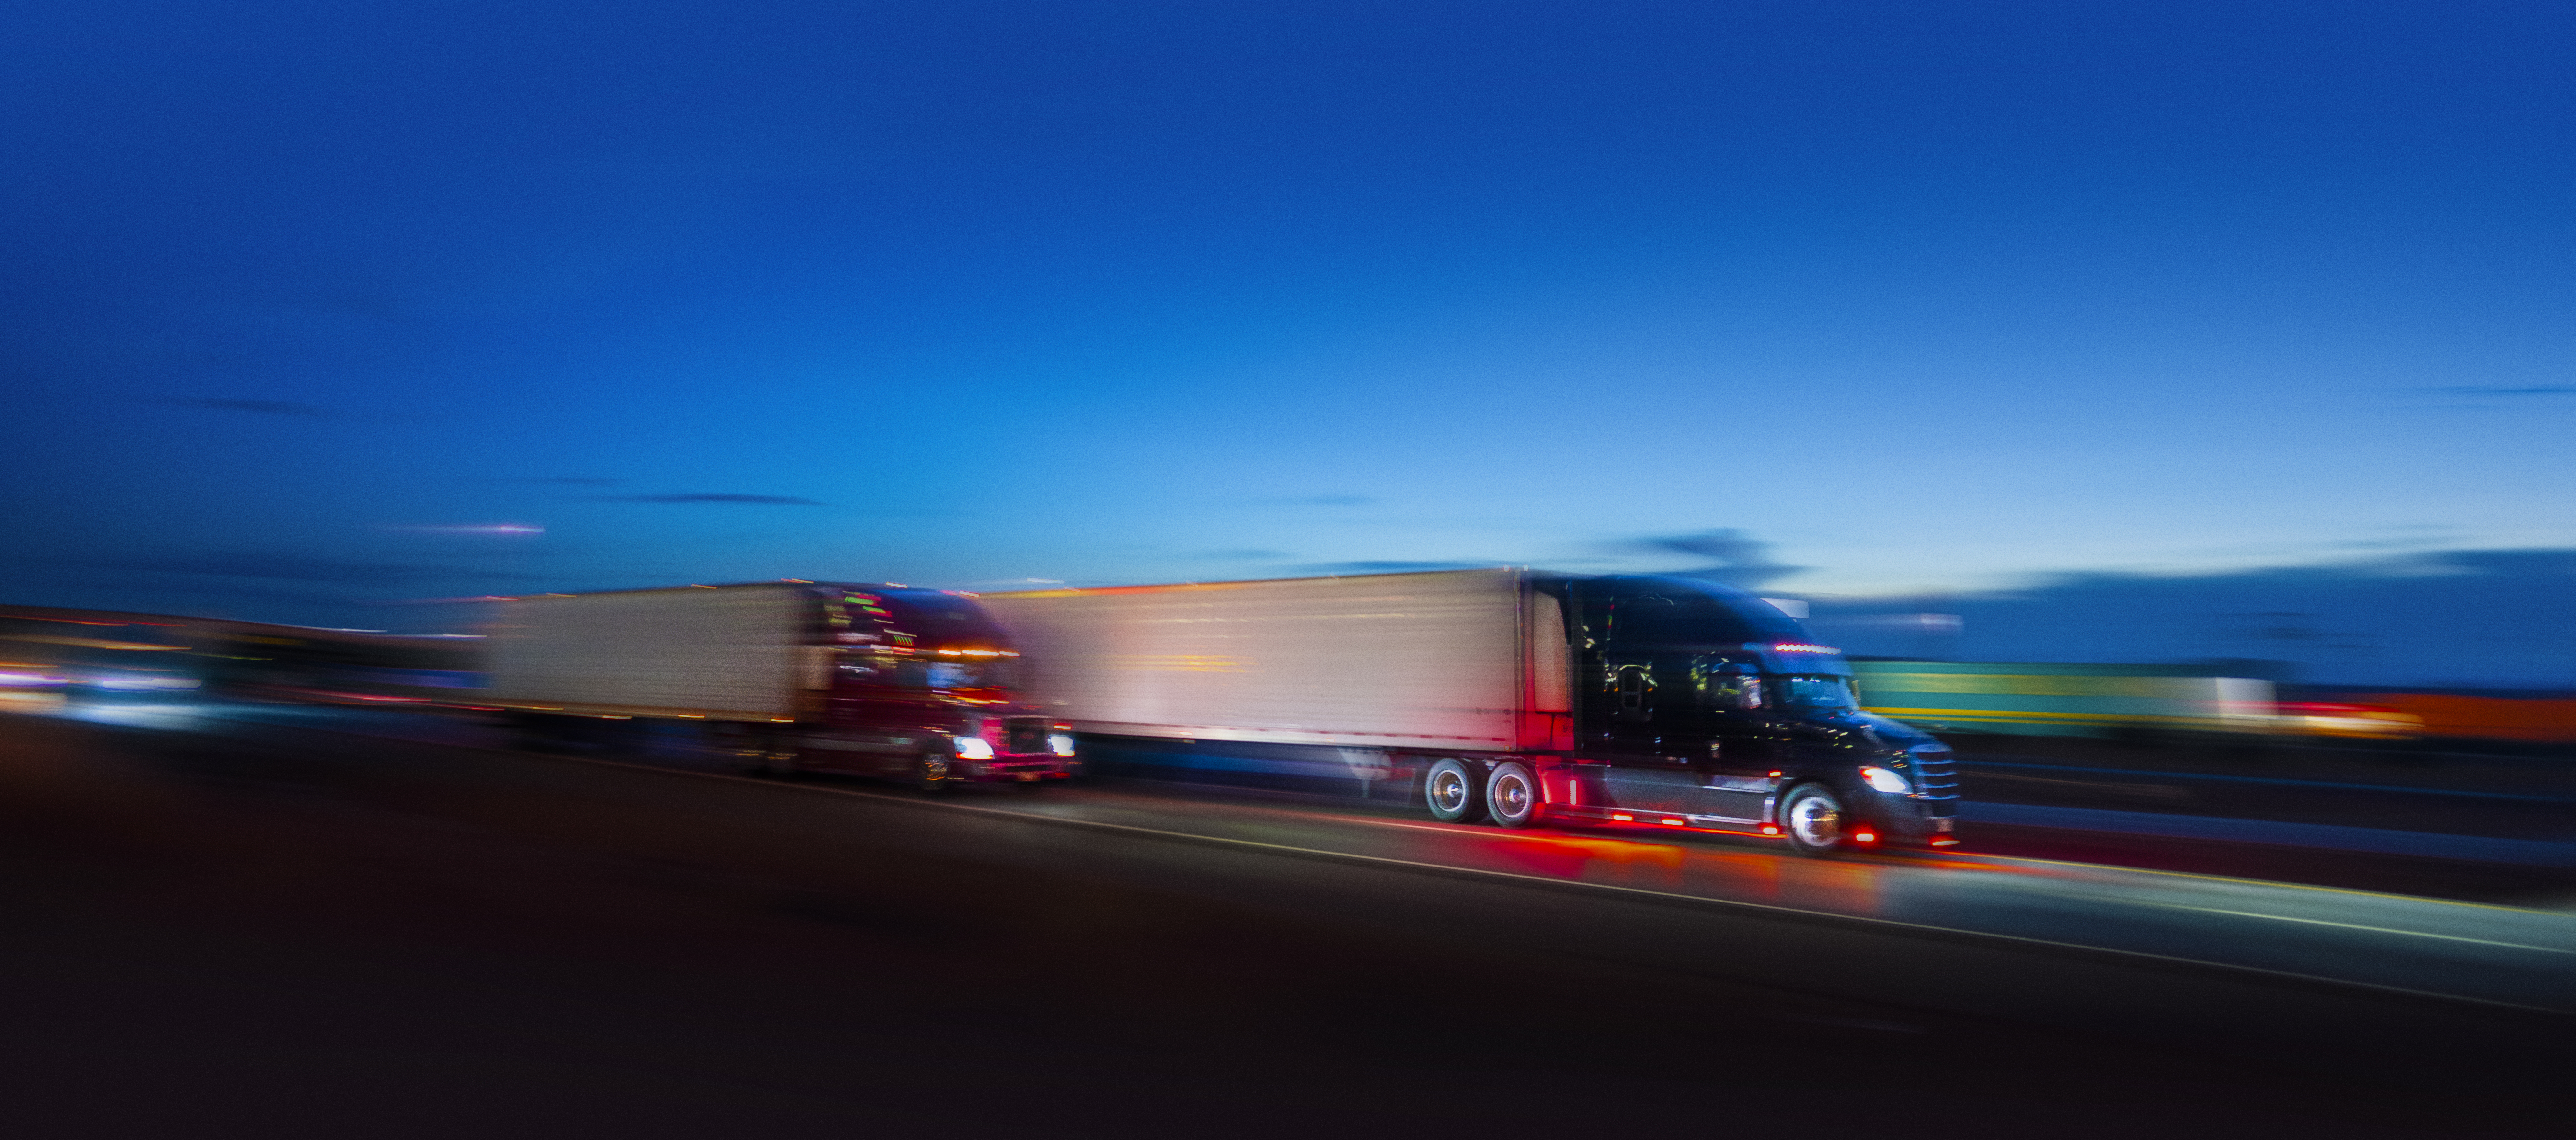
<point x="46" y="656"/>
<point x="1507" y="695"/>
<point x="2348" y="719"/>
<point x="876" y="680"/>
<point x="336" y="666"/>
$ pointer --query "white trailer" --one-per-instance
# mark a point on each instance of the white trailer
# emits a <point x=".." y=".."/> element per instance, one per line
<point x="732" y="653"/>
<point x="1449" y="661"/>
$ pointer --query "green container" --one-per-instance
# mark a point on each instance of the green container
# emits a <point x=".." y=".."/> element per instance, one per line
<point x="2052" y="699"/>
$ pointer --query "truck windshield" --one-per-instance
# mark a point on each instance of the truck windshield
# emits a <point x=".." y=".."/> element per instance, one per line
<point x="914" y="673"/>
<point x="1815" y="691"/>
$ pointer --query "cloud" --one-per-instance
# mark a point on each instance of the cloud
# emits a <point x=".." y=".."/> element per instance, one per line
<point x="1388" y="567"/>
<point x="2470" y="618"/>
<point x="1737" y="559"/>
<point x="714" y="497"/>
<point x="276" y="566"/>
<point x="1323" y="501"/>
<point x="229" y="404"/>
<point x="2508" y="390"/>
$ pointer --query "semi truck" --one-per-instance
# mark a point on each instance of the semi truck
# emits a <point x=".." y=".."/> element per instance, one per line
<point x="1506" y="695"/>
<point x="872" y="679"/>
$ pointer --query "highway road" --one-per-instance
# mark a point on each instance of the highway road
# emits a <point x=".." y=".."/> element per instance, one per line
<point x="1162" y="957"/>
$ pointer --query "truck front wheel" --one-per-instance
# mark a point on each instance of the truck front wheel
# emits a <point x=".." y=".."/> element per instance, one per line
<point x="932" y="774"/>
<point x="1511" y="795"/>
<point x="1453" y="793"/>
<point x="1812" y="818"/>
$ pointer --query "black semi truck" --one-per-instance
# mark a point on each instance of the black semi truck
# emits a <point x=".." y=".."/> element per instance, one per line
<point x="1506" y="695"/>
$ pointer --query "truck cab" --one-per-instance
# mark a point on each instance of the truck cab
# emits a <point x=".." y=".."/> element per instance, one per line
<point x="1701" y="706"/>
<point x="925" y="687"/>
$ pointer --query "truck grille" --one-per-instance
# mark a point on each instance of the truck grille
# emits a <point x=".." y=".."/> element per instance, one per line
<point x="1936" y="779"/>
<point x="1025" y="736"/>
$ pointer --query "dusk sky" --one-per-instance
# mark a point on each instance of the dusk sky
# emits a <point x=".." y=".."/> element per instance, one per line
<point x="304" y="300"/>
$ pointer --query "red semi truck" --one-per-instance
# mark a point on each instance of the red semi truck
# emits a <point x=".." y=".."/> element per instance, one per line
<point x="869" y="679"/>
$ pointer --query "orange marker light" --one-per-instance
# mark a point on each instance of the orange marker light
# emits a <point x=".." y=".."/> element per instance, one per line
<point x="1770" y="829"/>
<point x="1625" y="818"/>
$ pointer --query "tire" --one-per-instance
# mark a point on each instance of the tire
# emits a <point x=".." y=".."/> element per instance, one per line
<point x="931" y="774"/>
<point x="1512" y="795"/>
<point x="1453" y="793"/>
<point x="1813" y="820"/>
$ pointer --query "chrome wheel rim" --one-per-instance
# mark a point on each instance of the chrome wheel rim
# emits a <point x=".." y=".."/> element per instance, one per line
<point x="1449" y="792"/>
<point x="1815" y="821"/>
<point x="1511" y="797"/>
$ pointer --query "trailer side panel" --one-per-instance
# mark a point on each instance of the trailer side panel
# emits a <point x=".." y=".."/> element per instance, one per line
<point x="1396" y="660"/>
<point x="734" y="653"/>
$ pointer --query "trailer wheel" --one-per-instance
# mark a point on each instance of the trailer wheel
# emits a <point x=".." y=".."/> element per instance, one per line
<point x="1453" y="793"/>
<point x="1512" y="796"/>
<point x="1812" y="818"/>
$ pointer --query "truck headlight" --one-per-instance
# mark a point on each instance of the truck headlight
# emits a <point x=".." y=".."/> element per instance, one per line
<point x="974" y="748"/>
<point x="1060" y="744"/>
<point x="1885" y="781"/>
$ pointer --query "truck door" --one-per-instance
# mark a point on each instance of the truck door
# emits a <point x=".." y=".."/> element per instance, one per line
<point x="1743" y="748"/>
<point x="1643" y="709"/>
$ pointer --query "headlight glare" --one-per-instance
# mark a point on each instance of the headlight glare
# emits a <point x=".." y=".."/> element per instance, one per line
<point x="1885" y="781"/>
<point x="974" y="748"/>
<point x="1061" y="744"/>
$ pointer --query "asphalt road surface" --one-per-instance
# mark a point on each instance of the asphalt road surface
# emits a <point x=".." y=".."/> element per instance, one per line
<point x="286" y="921"/>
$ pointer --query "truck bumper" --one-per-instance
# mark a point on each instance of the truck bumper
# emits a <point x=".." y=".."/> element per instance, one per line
<point x="1008" y="769"/>
<point x="1920" y="827"/>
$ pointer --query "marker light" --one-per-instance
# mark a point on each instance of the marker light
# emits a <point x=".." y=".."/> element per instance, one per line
<point x="974" y="748"/>
<point x="1770" y="829"/>
<point x="1625" y="818"/>
<point x="1885" y="781"/>
<point x="1864" y="835"/>
<point x="1060" y="744"/>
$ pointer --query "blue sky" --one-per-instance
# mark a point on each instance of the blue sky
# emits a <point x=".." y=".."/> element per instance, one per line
<point x="1930" y="297"/>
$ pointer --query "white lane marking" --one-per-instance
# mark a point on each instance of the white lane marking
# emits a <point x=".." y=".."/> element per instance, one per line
<point x="1981" y="857"/>
<point x="2358" y="926"/>
<point x="1479" y="872"/>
